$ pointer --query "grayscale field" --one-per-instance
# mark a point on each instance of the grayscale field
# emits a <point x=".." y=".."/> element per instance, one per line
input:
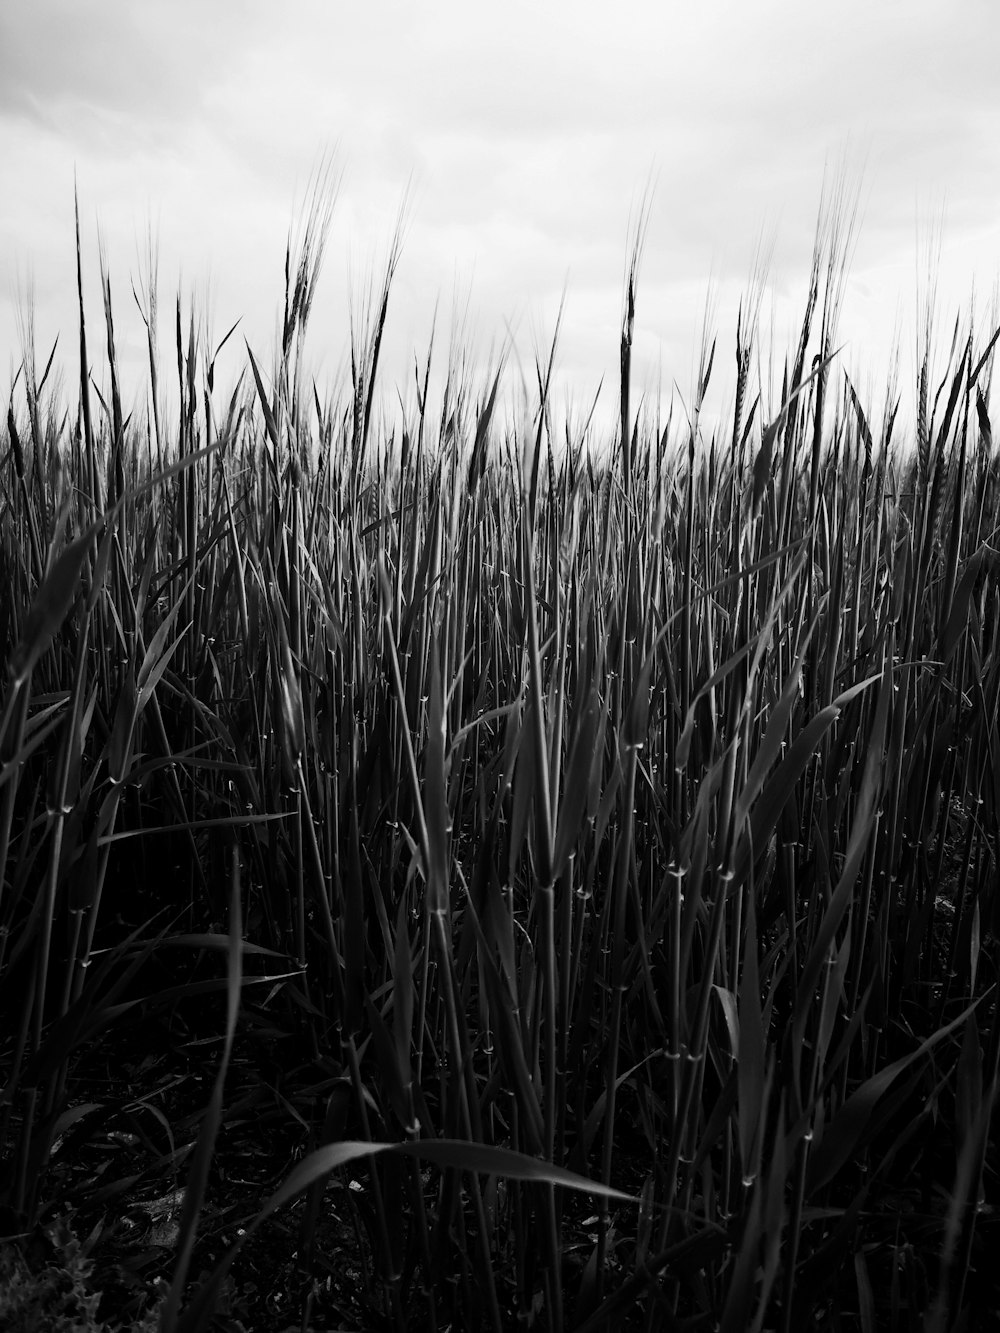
<point x="452" y="882"/>
<point x="499" y="754"/>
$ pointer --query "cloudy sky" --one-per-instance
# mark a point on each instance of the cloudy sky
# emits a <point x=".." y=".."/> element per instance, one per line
<point x="520" y="142"/>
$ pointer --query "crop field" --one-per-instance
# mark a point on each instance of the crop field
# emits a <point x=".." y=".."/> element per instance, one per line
<point x="453" y="877"/>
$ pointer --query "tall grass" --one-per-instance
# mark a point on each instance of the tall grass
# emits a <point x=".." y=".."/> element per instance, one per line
<point x="596" y="865"/>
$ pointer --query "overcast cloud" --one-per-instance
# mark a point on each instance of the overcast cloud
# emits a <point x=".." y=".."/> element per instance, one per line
<point x="523" y="139"/>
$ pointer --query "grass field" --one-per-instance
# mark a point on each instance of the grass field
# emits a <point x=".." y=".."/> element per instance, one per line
<point x="447" y="882"/>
